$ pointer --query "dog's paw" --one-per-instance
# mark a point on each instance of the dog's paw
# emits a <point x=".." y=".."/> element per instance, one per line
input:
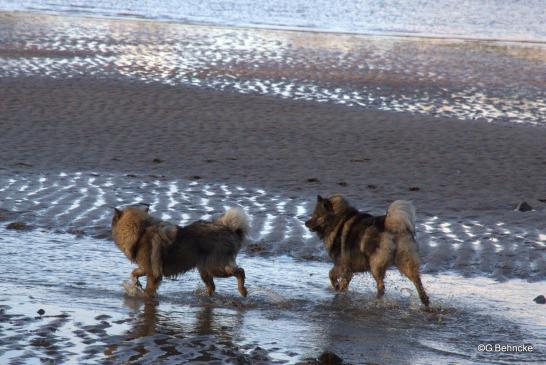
<point x="432" y="310"/>
<point x="150" y="294"/>
<point x="243" y="291"/>
<point x="343" y="285"/>
<point x="132" y="289"/>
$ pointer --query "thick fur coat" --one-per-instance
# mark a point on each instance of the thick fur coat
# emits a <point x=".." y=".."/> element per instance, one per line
<point x="360" y="242"/>
<point x="163" y="249"/>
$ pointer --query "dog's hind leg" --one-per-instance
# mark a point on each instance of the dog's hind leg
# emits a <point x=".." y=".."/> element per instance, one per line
<point x="379" y="262"/>
<point x="152" y="283"/>
<point x="378" y="273"/>
<point x="239" y="273"/>
<point x="412" y="272"/>
<point x="208" y="280"/>
<point x="234" y="270"/>
<point x="407" y="261"/>
<point x="410" y="268"/>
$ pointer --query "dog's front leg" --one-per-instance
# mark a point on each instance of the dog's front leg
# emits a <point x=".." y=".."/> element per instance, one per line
<point x="335" y="274"/>
<point x="333" y="277"/>
<point x="135" y="274"/>
<point x="340" y="277"/>
<point x="346" y="274"/>
<point x="208" y="280"/>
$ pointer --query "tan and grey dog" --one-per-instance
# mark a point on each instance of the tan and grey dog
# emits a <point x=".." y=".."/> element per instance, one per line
<point x="163" y="249"/>
<point x="359" y="242"/>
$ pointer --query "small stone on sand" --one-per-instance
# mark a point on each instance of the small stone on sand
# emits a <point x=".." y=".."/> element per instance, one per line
<point x="329" y="358"/>
<point x="523" y="207"/>
<point x="18" y="226"/>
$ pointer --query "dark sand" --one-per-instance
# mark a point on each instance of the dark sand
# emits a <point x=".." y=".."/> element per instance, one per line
<point x="122" y="126"/>
<point x="456" y="171"/>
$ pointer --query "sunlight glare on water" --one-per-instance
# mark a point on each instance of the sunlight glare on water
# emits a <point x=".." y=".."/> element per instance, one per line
<point x="291" y="312"/>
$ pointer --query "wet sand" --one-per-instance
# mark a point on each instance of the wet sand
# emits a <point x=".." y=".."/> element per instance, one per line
<point x="290" y="315"/>
<point x="74" y="146"/>
<point x="463" y="173"/>
<point x="463" y="79"/>
<point x="122" y="126"/>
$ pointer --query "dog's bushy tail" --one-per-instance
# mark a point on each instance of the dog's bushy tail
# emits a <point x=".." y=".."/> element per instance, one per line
<point x="236" y="220"/>
<point x="400" y="217"/>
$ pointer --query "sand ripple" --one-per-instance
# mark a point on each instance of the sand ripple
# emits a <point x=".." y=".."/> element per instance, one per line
<point x="462" y="79"/>
<point x="82" y="203"/>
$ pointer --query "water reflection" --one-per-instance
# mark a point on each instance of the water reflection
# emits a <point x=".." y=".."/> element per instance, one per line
<point x="173" y="335"/>
<point x="467" y="80"/>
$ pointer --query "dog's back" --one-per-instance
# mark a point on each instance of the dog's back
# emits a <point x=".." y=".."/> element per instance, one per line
<point x="163" y="249"/>
<point x="362" y="232"/>
<point x="211" y="247"/>
<point x="205" y="244"/>
<point x="198" y="243"/>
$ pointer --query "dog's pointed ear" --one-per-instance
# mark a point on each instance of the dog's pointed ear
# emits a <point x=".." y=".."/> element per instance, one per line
<point x="147" y="208"/>
<point x="319" y="198"/>
<point x="328" y="205"/>
<point x="117" y="213"/>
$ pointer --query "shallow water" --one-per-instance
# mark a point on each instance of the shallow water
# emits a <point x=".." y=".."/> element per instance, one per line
<point x="491" y="81"/>
<point x="290" y="313"/>
<point x="507" y="245"/>
<point x="506" y="19"/>
<point x="67" y="265"/>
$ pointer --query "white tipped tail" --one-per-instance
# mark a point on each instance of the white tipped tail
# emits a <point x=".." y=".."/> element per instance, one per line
<point x="236" y="220"/>
<point x="400" y="217"/>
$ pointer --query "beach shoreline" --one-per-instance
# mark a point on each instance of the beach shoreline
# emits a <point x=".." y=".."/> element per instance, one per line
<point x="491" y="81"/>
<point x="90" y="124"/>
<point x="291" y="315"/>
<point x="102" y="119"/>
<point x="153" y="141"/>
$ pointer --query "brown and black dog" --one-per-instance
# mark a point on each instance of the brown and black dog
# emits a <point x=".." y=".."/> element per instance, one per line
<point x="359" y="242"/>
<point x="163" y="249"/>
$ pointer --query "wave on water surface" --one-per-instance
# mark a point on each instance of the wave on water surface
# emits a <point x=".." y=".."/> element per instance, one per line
<point x="499" y="19"/>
